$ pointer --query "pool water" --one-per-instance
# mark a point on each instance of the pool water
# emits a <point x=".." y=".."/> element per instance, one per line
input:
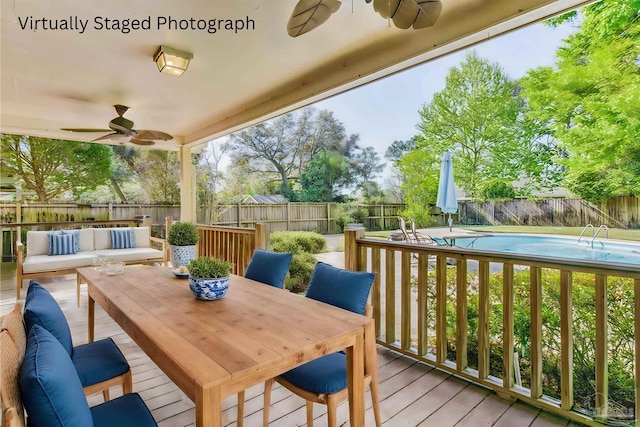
<point x="560" y="247"/>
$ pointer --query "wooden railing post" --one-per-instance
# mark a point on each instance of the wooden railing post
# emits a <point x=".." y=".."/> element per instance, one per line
<point x="351" y="248"/>
<point x="261" y="236"/>
<point x="168" y="222"/>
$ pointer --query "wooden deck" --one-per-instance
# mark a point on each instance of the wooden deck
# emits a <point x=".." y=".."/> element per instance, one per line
<point x="411" y="393"/>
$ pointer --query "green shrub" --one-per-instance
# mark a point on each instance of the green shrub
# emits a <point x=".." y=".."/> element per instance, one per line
<point x="300" y="271"/>
<point x="183" y="234"/>
<point x="303" y="244"/>
<point x="298" y="241"/>
<point x="350" y="213"/>
<point x="498" y="190"/>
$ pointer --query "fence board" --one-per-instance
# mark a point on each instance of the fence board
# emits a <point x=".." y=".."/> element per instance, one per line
<point x="620" y="212"/>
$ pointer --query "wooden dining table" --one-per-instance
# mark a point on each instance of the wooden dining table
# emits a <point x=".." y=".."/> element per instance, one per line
<point x="212" y="349"/>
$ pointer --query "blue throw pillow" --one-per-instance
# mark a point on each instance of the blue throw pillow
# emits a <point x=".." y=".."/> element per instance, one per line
<point x="49" y="385"/>
<point x="41" y="309"/>
<point x="123" y="239"/>
<point x="342" y="288"/>
<point x="76" y="238"/>
<point x="269" y="267"/>
<point x="61" y="244"/>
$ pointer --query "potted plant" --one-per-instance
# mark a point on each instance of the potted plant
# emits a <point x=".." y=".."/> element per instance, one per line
<point x="182" y="239"/>
<point x="208" y="277"/>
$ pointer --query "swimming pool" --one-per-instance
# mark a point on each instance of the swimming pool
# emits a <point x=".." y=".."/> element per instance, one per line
<point x="558" y="247"/>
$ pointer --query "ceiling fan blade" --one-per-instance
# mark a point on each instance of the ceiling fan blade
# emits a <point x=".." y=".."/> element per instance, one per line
<point x="429" y="13"/>
<point x="141" y="141"/>
<point x="152" y="134"/>
<point x="310" y="14"/>
<point x="121" y="109"/>
<point x="85" y="130"/>
<point x="115" y="136"/>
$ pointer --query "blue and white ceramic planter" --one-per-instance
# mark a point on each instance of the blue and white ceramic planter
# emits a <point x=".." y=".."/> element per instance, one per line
<point x="181" y="255"/>
<point x="208" y="289"/>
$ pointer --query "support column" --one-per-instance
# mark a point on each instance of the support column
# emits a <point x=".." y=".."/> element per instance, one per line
<point x="187" y="186"/>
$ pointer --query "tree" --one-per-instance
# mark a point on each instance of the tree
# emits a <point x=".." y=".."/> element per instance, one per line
<point x="328" y="173"/>
<point x="159" y="171"/>
<point x="208" y="175"/>
<point x="286" y="145"/>
<point x="51" y="168"/>
<point x="398" y="149"/>
<point x="480" y="116"/>
<point x="365" y="166"/>
<point x="591" y="98"/>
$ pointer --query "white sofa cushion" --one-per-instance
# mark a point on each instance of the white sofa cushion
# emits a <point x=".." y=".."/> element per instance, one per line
<point x="142" y="237"/>
<point x="130" y="255"/>
<point x="38" y="243"/>
<point x="40" y="263"/>
<point x="101" y="238"/>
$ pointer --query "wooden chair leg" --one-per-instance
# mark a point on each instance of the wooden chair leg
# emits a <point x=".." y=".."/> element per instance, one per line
<point x="240" y="420"/>
<point x="375" y="398"/>
<point x="105" y="394"/>
<point x="268" y="384"/>
<point x="78" y="289"/>
<point x="127" y="382"/>
<point x="331" y="412"/>
<point x="309" y="413"/>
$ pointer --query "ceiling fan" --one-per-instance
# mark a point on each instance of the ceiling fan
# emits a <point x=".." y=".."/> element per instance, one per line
<point x="309" y="14"/>
<point x="123" y="131"/>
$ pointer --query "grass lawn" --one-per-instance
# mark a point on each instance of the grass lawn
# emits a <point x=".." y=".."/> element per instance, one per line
<point x="614" y="233"/>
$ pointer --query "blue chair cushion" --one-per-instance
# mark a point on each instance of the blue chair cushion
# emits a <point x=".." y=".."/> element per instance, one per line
<point x="123" y="238"/>
<point x="61" y="244"/>
<point x="42" y="309"/>
<point x="126" y="411"/>
<point x="342" y="288"/>
<point x="98" y="361"/>
<point x="269" y="267"/>
<point x="327" y="374"/>
<point x="49" y="385"/>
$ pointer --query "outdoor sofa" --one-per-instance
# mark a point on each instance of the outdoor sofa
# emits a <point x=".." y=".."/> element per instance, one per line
<point x="56" y="253"/>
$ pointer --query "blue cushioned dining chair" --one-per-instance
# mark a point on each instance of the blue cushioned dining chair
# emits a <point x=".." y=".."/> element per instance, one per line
<point x="99" y="364"/>
<point x="52" y="393"/>
<point x="270" y="268"/>
<point x="324" y="380"/>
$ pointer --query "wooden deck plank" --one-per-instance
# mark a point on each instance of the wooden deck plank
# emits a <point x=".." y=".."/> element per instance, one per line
<point x="518" y="414"/>
<point x="486" y="413"/>
<point x="411" y="393"/>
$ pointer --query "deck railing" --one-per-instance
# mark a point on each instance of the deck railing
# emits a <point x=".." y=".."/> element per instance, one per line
<point x="480" y="315"/>
<point x="233" y="244"/>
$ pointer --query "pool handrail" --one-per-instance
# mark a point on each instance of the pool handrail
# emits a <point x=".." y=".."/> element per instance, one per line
<point x="584" y="230"/>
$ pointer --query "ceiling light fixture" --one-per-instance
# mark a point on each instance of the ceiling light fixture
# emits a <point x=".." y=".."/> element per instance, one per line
<point x="172" y="61"/>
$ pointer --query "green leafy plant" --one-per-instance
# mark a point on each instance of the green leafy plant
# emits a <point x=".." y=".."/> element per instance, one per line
<point x="183" y="234"/>
<point x="348" y="213"/>
<point x="208" y="268"/>
<point x="298" y="241"/>
<point x="303" y="245"/>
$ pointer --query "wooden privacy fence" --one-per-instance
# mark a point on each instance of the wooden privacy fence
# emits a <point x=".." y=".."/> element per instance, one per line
<point x="456" y="309"/>
<point x="320" y="217"/>
<point x="619" y="212"/>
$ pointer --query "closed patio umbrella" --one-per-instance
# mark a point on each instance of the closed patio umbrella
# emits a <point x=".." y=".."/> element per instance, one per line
<point x="447" y="200"/>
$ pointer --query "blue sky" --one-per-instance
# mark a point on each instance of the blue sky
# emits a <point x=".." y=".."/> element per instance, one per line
<point x="387" y="109"/>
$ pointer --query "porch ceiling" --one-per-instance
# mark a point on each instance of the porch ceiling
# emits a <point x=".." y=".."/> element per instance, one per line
<point x="64" y="79"/>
